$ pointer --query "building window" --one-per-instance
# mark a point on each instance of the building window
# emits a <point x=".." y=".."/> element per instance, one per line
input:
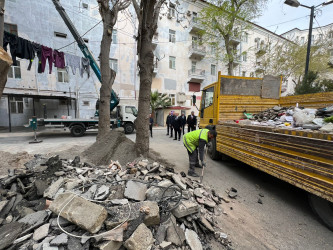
<point x="243" y="73"/>
<point x="320" y="37"/>
<point x="244" y="56"/>
<point x="15" y="71"/>
<point x="62" y="75"/>
<point x="193" y="66"/>
<point x="59" y="34"/>
<point x="172" y="62"/>
<point x="213" y="69"/>
<point x="172" y="36"/>
<point x="16" y="105"/>
<point x="11" y="28"/>
<point x="245" y="37"/>
<point x="331" y="53"/>
<point x="330" y="34"/>
<point x="172" y="99"/>
<point x="114" y="64"/>
<point x="86" y="103"/>
<point x="194" y="17"/>
<point x="302" y="39"/>
<point x="114" y="36"/>
<point x="172" y="10"/>
<point x="213" y="49"/>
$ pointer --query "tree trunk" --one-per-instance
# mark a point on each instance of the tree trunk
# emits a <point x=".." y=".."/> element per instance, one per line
<point x="108" y="77"/>
<point x="5" y="62"/>
<point x="230" y="57"/>
<point x="2" y="19"/>
<point x="146" y="64"/>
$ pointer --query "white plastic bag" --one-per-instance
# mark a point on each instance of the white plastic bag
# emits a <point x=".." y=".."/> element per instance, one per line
<point x="303" y="117"/>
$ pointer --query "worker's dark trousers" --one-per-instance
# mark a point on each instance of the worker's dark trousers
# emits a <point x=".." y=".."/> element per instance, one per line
<point x="183" y="129"/>
<point x="191" y="128"/>
<point x="177" y="131"/>
<point x="151" y="130"/>
<point x="171" y="131"/>
<point x="168" y="127"/>
<point x="194" y="160"/>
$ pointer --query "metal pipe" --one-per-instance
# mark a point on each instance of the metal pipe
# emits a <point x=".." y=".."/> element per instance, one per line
<point x="9" y="115"/>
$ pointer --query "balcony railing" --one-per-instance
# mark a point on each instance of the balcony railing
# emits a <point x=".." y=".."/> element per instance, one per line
<point x="195" y="26"/>
<point x="197" y="50"/>
<point x="196" y="75"/>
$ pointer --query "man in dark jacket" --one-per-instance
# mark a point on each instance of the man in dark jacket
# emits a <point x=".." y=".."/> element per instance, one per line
<point x="168" y="122"/>
<point x="183" y="122"/>
<point x="172" y="118"/>
<point x="151" y="123"/>
<point x="177" y="124"/>
<point x="191" y="122"/>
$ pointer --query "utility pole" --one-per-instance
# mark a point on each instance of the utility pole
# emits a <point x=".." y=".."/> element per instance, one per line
<point x="309" y="42"/>
<point x="2" y="20"/>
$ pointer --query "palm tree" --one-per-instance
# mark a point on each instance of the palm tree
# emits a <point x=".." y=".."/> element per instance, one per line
<point x="158" y="100"/>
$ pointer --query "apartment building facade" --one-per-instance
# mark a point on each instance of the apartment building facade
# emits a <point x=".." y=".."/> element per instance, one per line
<point x="182" y="66"/>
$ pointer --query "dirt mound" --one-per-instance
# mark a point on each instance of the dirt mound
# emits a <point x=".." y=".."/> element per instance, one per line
<point x="13" y="161"/>
<point x="114" y="146"/>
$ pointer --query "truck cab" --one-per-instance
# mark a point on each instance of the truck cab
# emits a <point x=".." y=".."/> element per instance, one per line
<point x="127" y="116"/>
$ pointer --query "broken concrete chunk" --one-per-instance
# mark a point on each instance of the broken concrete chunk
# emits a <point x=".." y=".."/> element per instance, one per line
<point x="185" y="208"/>
<point x="3" y="204"/>
<point x="9" y="233"/>
<point x="135" y="190"/>
<point x="72" y="184"/>
<point x="46" y="246"/>
<point x="153" y="217"/>
<point x="175" y="234"/>
<point x="19" y="240"/>
<point x="53" y="189"/>
<point x="41" y="232"/>
<point x="41" y="186"/>
<point x="192" y="240"/>
<point x="79" y="211"/>
<point x="198" y="192"/>
<point x="90" y="193"/>
<point x="165" y="245"/>
<point x="141" y="239"/>
<point x="206" y="224"/>
<point x="102" y="193"/>
<point x="119" y="201"/>
<point x="178" y="180"/>
<point x="60" y="240"/>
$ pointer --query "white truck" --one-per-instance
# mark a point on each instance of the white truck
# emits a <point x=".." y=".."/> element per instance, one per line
<point x="123" y="116"/>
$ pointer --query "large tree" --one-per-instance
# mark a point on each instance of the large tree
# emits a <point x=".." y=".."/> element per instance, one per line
<point x="224" y="22"/>
<point x="147" y="12"/>
<point x="109" y="10"/>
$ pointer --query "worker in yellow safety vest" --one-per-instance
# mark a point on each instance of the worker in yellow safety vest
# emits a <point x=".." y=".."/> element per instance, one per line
<point x="194" y="140"/>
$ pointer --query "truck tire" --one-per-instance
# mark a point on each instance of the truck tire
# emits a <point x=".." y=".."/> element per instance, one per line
<point x="77" y="130"/>
<point x="212" y="152"/>
<point x="323" y="208"/>
<point x="129" y="128"/>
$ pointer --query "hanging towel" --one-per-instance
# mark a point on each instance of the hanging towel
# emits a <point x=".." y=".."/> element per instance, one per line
<point x="85" y="66"/>
<point x="73" y="62"/>
<point x="47" y="55"/>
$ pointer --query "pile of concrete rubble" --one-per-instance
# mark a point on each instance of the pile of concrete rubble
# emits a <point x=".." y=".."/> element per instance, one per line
<point x="294" y="117"/>
<point x="66" y="204"/>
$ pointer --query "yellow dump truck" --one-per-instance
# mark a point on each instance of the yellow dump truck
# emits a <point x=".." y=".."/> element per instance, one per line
<point x="300" y="157"/>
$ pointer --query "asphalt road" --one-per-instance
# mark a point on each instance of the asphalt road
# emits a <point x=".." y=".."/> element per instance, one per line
<point x="283" y="221"/>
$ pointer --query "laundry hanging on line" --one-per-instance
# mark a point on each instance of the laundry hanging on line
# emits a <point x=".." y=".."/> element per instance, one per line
<point x="25" y="49"/>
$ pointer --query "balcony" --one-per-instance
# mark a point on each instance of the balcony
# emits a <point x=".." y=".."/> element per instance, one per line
<point x="195" y="26"/>
<point x="235" y="40"/>
<point x="260" y="52"/>
<point x="197" y="51"/>
<point x="196" y="75"/>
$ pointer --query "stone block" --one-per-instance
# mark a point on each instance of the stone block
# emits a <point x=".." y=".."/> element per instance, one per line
<point x="178" y="180"/>
<point x="34" y="218"/>
<point x="135" y="190"/>
<point x="60" y="240"/>
<point x="41" y="232"/>
<point x="111" y="245"/>
<point x="153" y="217"/>
<point x="79" y="211"/>
<point x="185" y="208"/>
<point x="141" y="239"/>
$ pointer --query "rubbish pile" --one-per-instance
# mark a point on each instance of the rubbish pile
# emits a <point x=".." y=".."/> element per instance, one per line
<point x="293" y="117"/>
<point x="67" y="204"/>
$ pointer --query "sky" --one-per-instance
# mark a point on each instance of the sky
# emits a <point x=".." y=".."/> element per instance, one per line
<point x="279" y="17"/>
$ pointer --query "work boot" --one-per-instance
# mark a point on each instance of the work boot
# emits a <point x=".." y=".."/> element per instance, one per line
<point x="193" y="174"/>
<point x="198" y="165"/>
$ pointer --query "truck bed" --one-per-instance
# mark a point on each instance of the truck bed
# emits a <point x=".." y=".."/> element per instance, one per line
<point x="304" y="159"/>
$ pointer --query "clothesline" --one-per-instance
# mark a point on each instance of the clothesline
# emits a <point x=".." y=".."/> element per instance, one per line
<point x="25" y="49"/>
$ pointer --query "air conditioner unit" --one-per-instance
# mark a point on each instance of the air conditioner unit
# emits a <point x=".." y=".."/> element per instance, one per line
<point x="181" y="97"/>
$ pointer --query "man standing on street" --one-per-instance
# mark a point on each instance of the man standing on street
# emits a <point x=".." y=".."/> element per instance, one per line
<point x="191" y="122"/>
<point x="195" y="141"/>
<point x="183" y="122"/>
<point x="172" y="118"/>
<point x="168" y="122"/>
<point x="177" y="124"/>
<point x="151" y="123"/>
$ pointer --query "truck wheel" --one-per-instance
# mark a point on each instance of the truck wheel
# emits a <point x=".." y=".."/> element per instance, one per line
<point x="323" y="208"/>
<point x="212" y="152"/>
<point x="77" y="130"/>
<point x="129" y="128"/>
